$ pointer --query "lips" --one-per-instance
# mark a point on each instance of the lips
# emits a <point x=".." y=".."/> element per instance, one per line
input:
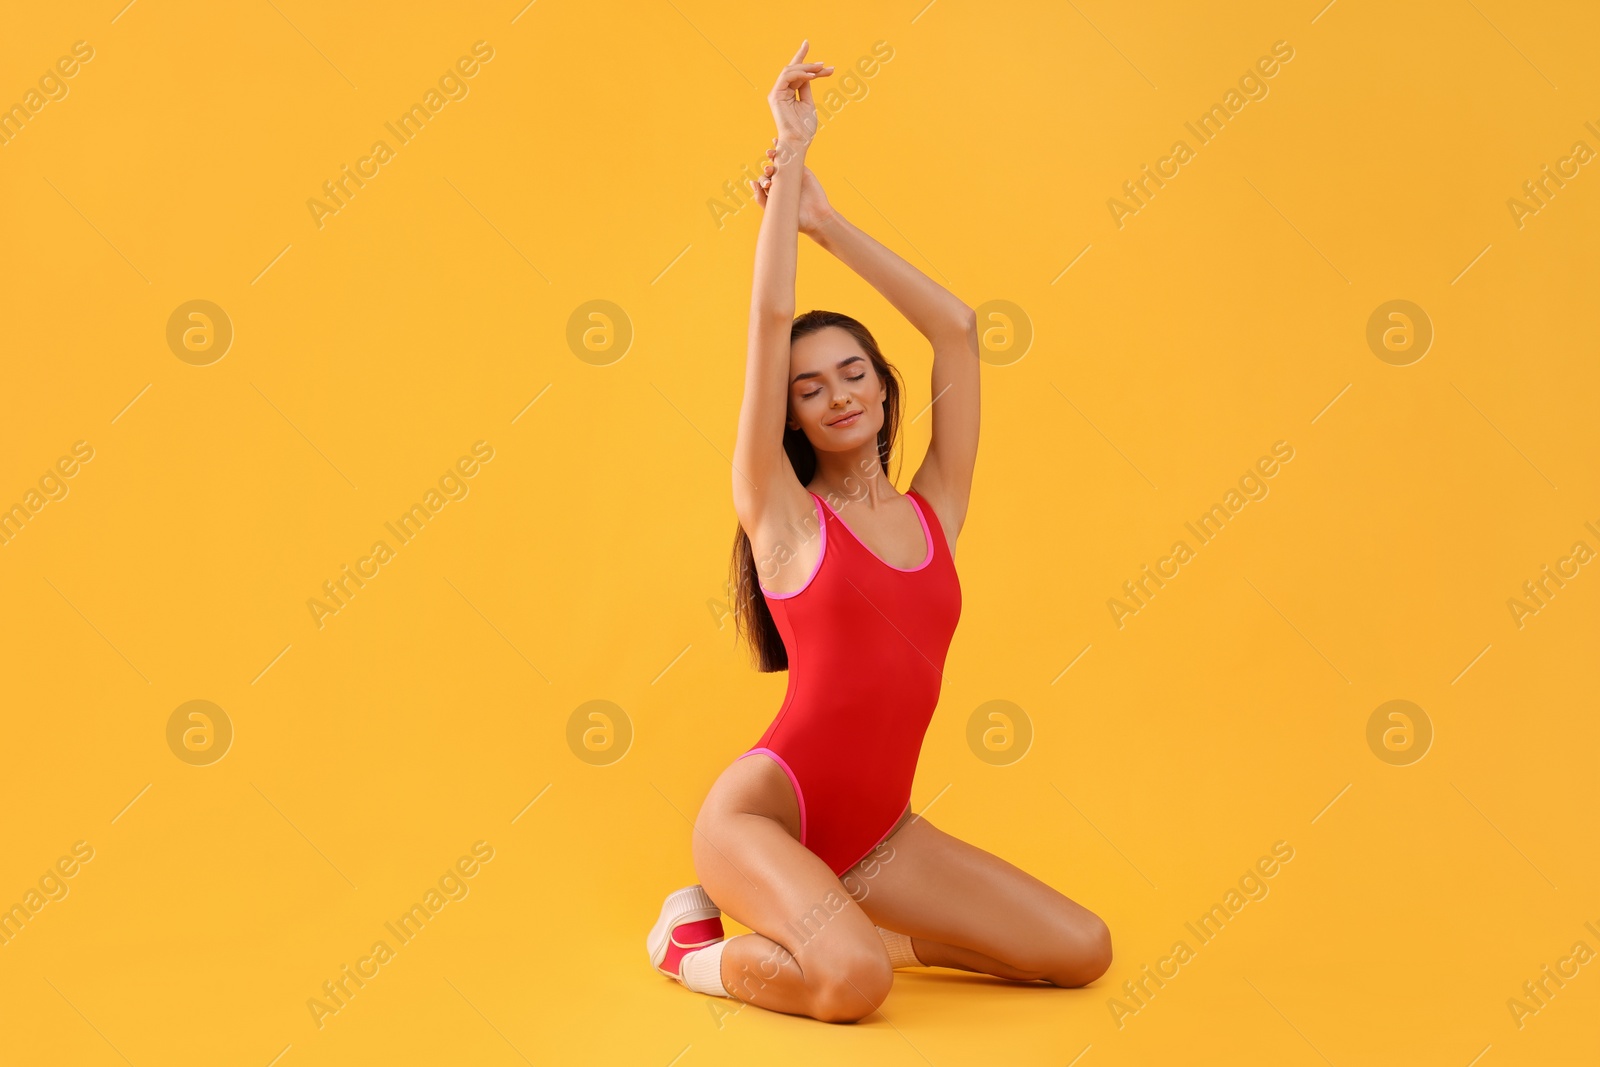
<point x="847" y="420"/>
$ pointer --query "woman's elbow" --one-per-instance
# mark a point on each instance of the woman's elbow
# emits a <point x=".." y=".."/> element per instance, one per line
<point x="763" y="311"/>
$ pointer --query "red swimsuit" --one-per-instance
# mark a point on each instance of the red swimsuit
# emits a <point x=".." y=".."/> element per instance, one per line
<point x="866" y="643"/>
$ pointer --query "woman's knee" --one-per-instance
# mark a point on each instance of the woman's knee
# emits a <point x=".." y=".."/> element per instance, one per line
<point x="849" y="985"/>
<point x="1082" y="952"/>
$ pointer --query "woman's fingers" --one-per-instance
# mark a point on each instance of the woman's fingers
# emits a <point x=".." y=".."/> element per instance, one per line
<point x="800" y="86"/>
<point x="796" y="75"/>
<point x="793" y="77"/>
<point x="798" y="56"/>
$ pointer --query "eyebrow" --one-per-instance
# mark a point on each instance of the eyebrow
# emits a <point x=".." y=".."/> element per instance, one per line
<point x="843" y="363"/>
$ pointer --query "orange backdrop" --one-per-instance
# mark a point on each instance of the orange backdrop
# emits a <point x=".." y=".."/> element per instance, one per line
<point x="370" y="384"/>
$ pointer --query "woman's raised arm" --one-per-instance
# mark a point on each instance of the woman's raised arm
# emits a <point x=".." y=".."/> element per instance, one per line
<point x="945" y="477"/>
<point x="758" y="456"/>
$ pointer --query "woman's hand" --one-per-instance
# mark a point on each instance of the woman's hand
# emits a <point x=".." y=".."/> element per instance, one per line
<point x="796" y="117"/>
<point x="814" y="207"/>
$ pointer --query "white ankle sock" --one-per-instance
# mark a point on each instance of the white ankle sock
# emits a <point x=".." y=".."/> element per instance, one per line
<point x="702" y="970"/>
<point x="899" y="946"/>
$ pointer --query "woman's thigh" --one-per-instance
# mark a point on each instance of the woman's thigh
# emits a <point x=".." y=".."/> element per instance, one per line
<point x="818" y="953"/>
<point x="928" y="884"/>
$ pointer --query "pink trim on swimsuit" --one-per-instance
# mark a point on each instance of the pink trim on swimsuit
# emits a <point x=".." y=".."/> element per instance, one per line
<point x="799" y="796"/>
<point x="926" y="534"/>
<point x="822" y="524"/>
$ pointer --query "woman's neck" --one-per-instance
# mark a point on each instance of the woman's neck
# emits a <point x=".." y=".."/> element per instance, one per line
<point x="844" y="480"/>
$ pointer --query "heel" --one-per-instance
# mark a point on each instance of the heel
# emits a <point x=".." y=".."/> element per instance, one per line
<point x="689" y="920"/>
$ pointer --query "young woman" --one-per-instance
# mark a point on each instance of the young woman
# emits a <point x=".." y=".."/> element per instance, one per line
<point x="808" y="837"/>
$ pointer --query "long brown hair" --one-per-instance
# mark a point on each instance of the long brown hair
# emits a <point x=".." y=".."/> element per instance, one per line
<point x="751" y="616"/>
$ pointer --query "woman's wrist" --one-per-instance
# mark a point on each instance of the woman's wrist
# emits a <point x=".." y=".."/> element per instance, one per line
<point x="790" y="151"/>
<point x="826" y="228"/>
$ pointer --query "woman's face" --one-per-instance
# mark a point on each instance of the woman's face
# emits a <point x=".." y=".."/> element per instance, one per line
<point x="835" y="394"/>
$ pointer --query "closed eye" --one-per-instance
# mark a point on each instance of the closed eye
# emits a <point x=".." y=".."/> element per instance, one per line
<point x="857" y="378"/>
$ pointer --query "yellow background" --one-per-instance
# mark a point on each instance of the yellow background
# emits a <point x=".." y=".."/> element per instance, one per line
<point x="587" y="561"/>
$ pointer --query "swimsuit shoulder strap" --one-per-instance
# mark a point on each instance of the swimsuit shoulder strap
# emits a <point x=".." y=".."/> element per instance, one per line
<point x="929" y="516"/>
